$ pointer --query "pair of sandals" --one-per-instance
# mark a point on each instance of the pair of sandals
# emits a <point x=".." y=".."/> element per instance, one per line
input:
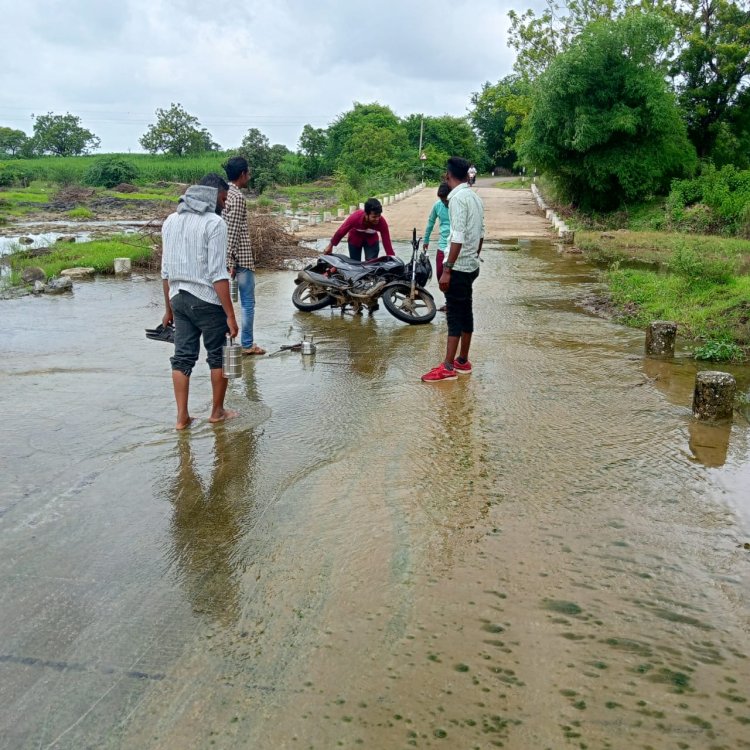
<point x="161" y="333"/>
<point x="254" y="349"/>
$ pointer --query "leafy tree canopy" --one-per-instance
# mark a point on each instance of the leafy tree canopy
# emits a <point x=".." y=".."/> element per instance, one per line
<point x="62" y="135"/>
<point x="498" y="112"/>
<point x="603" y="122"/>
<point x="177" y="132"/>
<point x="12" y="142"/>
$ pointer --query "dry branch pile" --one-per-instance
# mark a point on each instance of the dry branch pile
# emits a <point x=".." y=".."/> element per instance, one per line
<point x="272" y="244"/>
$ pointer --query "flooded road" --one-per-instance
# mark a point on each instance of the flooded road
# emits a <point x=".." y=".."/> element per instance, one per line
<point x="546" y="554"/>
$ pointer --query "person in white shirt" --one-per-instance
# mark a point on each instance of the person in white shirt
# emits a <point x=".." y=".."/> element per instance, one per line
<point x="196" y="291"/>
<point x="460" y="271"/>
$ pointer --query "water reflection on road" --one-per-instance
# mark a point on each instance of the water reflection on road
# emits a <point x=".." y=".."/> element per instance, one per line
<point x="547" y="553"/>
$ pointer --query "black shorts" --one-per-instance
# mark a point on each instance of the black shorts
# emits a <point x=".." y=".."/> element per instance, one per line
<point x="194" y="318"/>
<point x="458" y="302"/>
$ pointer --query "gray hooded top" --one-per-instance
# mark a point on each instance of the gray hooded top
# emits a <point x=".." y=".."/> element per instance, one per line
<point x="194" y="245"/>
<point x="198" y="199"/>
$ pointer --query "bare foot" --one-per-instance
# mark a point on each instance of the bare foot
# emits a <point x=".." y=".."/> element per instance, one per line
<point x="183" y="424"/>
<point x="223" y="416"/>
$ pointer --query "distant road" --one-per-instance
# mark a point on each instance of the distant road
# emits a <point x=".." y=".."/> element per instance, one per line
<point x="509" y="214"/>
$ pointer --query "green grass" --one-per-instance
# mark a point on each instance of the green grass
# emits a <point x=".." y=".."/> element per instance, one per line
<point x="151" y="168"/>
<point x="518" y="184"/>
<point x="80" y="212"/>
<point x="99" y="255"/>
<point x="658" y="247"/>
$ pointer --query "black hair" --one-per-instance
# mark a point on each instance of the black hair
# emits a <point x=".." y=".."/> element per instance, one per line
<point x="215" y="181"/>
<point x="235" y="166"/>
<point x="443" y="189"/>
<point x="458" y="167"/>
<point x="372" y="206"/>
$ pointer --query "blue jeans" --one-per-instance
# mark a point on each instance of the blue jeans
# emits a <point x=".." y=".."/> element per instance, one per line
<point x="246" y="283"/>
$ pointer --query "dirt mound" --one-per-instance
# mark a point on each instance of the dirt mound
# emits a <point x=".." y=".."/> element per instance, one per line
<point x="73" y="194"/>
<point x="125" y="187"/>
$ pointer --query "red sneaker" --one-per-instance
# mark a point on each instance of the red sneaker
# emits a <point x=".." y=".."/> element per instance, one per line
<point x="441" y="372"/>
<point x="462" y="369"/>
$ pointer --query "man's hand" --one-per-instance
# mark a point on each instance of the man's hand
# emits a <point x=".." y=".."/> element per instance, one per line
<point x="425" y="246"/>
<point x="168" y="318"/>
<point x="328" y="250"/>
<point x="232" y="323"/>
<point x="232" y="272"/>
<point x="445" y="279"/>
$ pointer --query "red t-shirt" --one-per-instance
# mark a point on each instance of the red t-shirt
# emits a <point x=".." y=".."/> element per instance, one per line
<point x="360" y="235"/>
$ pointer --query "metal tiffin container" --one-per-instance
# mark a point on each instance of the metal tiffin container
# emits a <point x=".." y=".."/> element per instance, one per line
<point x="307" y="345"/>
<point x="234" y="289"/>
<point x="231" y="359"/>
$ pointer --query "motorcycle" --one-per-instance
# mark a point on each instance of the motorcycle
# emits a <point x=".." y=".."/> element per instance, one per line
<point x="338" y="281"/>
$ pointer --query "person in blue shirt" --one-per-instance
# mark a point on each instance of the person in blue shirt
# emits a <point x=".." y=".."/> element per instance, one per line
<point x="440" y="213"/>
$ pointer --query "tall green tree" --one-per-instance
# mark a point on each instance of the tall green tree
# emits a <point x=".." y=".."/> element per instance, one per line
<point x="62" y="135"/>
<point x="539" y="37"/>
<point x="12" y="142"/>
<point x="497" y="114"/>
<point x="263" y="158"/>
<point x="442" y="137"/>
<point x="177" y="132"/>
<point x="349" y="152"/>
<point x="312" y="145"/>
<point x="603" y="122"/>
<point x="710" y="65"/>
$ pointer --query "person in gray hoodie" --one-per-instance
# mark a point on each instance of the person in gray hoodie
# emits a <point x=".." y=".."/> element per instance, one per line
<point x="196" y="291"/>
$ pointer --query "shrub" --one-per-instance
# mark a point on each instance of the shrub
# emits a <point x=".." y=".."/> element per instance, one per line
<point x="14" y="175"/>
<point x="719" y="351"/>
<point x="696" y="268"/>
<point x="110" y="171"/>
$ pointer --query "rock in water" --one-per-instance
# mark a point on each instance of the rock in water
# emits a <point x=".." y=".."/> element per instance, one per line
<point x="31" y="274"/>
<point x="59" y="285"/>
<point x="78" y="272"/>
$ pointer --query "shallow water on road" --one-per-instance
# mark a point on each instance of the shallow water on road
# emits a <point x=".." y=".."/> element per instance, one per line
<point x="547" y="553"/>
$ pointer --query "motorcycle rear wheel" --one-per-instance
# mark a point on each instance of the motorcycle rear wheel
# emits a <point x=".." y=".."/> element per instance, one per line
<point x="398" y="302"/>
<point x="308" y="297"/>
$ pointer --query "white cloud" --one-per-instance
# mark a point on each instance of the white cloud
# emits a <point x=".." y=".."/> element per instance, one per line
<point x="271" y="64"/>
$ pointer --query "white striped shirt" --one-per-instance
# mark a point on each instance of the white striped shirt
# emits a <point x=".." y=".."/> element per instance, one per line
<point x="194" y="254"/>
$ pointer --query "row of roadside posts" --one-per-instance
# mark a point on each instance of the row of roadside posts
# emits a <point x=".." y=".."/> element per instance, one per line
<point x="714" y="392"/>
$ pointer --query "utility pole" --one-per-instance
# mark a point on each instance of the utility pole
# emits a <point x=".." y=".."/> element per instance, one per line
<point x="421" y="134"/>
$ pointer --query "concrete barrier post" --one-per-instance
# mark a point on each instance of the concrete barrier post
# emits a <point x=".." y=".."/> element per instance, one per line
<point x="122" y="265"/>
<point x="713" y="398"/>
<point x="340" y="213"/>
<point x="327" y="216"/>
<point x="352" y="209"/>
<point x="660" y="337"/>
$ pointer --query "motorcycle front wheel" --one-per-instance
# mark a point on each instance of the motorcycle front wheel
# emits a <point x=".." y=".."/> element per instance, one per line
<point x="308" y="297"/>
<point x="398" y="302"/>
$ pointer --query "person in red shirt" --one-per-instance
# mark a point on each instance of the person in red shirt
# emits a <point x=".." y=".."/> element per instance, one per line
<point x="363" y="228"/>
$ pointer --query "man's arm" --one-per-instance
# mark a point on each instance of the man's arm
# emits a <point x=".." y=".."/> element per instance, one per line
<point x="386" y="235"/>
<point x="338" y="235"/>
<point x="430" y="225"/>
<point x="217" y="273"/>
<point x="168" y="315"/>
<point x="458" y="217"/>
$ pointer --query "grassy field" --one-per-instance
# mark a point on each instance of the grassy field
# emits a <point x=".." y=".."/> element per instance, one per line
<point x="700" y="282"/>
<point x="99" y="254"/>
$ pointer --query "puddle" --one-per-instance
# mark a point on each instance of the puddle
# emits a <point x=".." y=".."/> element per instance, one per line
<point x="547" y="553"/>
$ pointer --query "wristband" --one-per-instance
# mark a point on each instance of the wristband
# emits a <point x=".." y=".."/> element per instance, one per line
<point x="449" y="266"/>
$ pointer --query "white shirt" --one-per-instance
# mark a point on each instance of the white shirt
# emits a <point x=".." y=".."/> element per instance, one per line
<point x="466" y="211"/>
<point x="194" y="254"/>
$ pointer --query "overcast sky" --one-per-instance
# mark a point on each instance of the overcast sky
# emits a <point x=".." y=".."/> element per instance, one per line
<point x="270" y="64"/>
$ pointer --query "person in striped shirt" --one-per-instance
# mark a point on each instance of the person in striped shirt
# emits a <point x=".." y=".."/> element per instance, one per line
<point x="196" y="291"/>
